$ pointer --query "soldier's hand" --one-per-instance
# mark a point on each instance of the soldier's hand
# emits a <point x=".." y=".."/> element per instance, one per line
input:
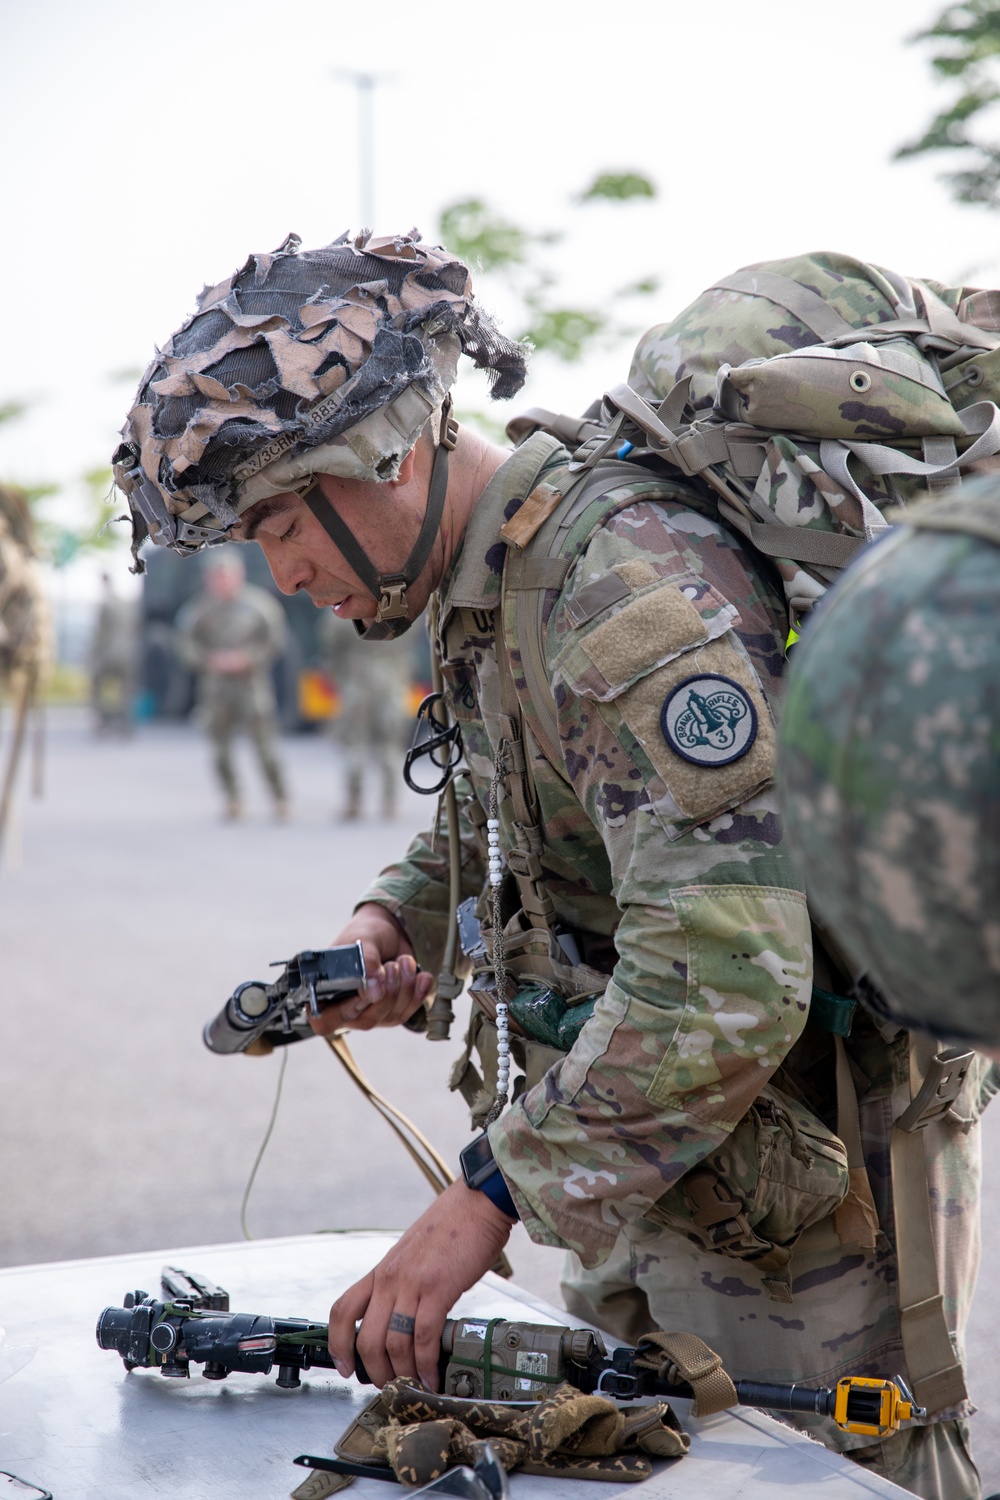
<point x="404" y="1302"/>
<point x="230" y="662"/>
<point x="393" y="989"/>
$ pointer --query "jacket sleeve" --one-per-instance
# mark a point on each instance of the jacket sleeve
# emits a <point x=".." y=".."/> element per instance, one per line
<point x="713" y="979"/>
<point x="416" y="889"/>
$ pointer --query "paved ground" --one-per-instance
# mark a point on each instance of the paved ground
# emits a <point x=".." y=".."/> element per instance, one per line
<point x="127" y="914"/>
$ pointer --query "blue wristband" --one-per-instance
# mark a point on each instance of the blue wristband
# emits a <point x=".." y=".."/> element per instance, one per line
<point x="496" y="1189"/>
<point x="481" y="1173"/>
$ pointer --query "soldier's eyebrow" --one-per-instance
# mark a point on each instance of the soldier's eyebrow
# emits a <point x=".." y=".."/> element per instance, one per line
<point x="262" y="511"/>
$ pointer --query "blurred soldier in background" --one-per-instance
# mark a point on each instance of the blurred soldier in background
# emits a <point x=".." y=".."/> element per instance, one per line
<point x="231" y="635"/>
<point x="892" y="795"/>
<point x="25" y="623"/>
<point x="371" y="725"/>
<point x="25" y="635"/>
<point x="113" y="661"/>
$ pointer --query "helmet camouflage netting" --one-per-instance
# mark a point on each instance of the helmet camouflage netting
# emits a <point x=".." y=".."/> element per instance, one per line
<point x="302" y="362"/>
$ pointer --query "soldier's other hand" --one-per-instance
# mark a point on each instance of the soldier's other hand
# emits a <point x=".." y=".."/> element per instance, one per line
<point x="393" y="990"/>
<point x="404" y="1302"/>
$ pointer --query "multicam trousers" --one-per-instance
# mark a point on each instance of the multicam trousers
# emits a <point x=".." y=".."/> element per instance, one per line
<point x="655" y="1279"/>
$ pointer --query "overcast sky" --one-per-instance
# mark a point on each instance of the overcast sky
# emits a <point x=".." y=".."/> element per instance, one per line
<point x="150" y="147"/>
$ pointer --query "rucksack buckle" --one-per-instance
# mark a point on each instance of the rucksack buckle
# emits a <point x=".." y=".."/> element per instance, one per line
<point x="721" y="1217"/>
<point x="941" y="1086"/>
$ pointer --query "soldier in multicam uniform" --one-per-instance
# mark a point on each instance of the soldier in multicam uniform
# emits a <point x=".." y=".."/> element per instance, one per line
<point x="113" y="650"/>
<point x="890" y="766"/>
<point x="25" y="631"/>
<point x="679" y="1092"/>
<point x="370" y="727"/>
<point x="232" y="635"/>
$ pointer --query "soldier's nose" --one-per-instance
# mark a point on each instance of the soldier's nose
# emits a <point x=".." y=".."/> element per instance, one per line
<point x="290" y="575"/>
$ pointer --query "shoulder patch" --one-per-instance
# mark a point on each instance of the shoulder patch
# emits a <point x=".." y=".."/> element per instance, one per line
<point x="709" y="720"/>
<point x="702" y="779"/>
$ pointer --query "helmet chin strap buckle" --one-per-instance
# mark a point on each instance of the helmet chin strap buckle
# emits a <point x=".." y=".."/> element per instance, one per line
<point x="448" y="435"/>
<point x="392" y="599"/>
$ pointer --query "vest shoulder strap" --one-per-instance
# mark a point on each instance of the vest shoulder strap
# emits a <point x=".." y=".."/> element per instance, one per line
<point x="585" y="503"/>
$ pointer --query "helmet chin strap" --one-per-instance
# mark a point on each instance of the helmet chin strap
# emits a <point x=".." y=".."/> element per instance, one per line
<point x="390" y="589"/>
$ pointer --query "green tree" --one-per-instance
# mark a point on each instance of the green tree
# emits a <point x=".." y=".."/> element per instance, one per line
<point x="11" y="410"/>
<point x="95" y="533"/>
<point x="517" y="258"/>
<point x="59" y="542"/>
<point x="966" y="39"/>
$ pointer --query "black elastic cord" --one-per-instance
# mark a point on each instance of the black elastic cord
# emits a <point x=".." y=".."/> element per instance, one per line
<point x="389" y="592"/>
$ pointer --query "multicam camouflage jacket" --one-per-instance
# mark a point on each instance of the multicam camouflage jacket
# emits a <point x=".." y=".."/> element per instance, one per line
<point x="662" y="854"/>
<point x="664" y="857"/>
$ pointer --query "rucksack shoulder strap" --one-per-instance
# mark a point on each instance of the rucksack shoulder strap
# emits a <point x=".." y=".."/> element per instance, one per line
<point x="539" y="557"/>
<point x="567" y="429"/>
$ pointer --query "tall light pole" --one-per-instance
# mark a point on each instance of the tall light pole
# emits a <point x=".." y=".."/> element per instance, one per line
<point x="365" y="83"/>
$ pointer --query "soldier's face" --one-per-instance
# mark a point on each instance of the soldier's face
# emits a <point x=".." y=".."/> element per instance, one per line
<point x="384" y="519"/>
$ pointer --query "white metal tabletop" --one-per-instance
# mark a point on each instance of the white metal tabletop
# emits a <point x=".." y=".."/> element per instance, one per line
<point x="73" y="1422"/>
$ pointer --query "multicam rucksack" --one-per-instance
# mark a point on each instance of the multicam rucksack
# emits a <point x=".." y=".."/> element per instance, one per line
<point x="803" y="398"/>
<point x="810" y="395"/>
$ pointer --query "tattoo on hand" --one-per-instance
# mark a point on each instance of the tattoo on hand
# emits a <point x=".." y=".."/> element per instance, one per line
<point x="400" y="1323"/>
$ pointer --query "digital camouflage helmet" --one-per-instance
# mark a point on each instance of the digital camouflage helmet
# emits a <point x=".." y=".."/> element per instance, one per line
<point x="306" y="362"/>
<point x="891" y="765"/>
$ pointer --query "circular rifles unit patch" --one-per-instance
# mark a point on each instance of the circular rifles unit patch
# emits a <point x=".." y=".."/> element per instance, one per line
<point x="709" y="720"/>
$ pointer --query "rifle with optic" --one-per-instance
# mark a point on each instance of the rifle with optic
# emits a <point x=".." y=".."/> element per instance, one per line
<point x="481" y="1359"/>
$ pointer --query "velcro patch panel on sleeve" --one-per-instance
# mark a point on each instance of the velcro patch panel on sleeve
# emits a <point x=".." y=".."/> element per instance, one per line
<point x="659" y="622"/>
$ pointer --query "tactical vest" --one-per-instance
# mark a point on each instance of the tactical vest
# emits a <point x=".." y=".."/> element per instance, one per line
<point x="814" y="1145"/>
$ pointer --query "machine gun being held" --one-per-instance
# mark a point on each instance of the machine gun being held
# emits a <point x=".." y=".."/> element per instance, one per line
<point x="481" y="1359"/>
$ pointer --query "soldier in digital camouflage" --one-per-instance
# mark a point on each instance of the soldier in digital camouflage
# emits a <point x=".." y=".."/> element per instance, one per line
<point x="707" y="1136"/>
<point x="890" y="740"/>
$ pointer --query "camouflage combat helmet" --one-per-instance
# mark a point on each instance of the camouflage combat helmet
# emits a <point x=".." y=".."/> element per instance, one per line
<point x="891" y="765"/>
<point x="306" y="362"/>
